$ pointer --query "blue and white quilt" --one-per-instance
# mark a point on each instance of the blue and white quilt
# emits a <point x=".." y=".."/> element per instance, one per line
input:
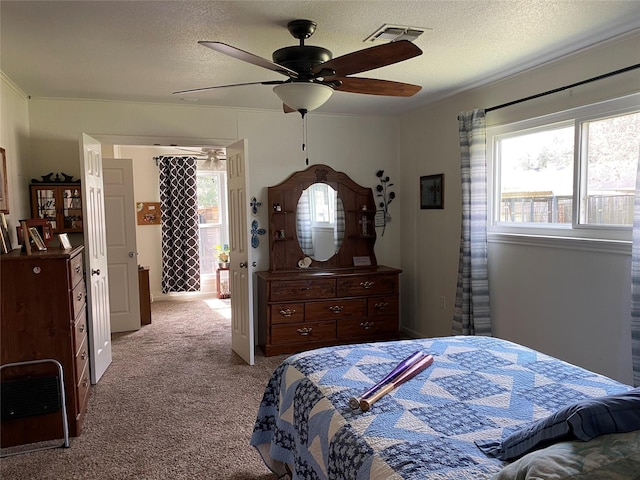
<point x="476" y="389"/>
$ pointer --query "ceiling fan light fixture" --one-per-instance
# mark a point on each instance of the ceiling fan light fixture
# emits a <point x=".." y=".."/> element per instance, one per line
<point x="305" y="96"/>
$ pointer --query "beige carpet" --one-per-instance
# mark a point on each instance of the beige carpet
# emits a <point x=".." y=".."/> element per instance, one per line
<point x="176" y="403"/>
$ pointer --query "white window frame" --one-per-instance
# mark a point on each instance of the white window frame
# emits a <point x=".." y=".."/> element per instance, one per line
<point x="609" y="234"/>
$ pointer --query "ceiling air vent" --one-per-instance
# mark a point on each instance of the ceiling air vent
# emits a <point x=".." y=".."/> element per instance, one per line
<point x="392" y="33"/>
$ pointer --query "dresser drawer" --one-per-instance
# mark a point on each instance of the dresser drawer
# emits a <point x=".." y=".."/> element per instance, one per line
<point x="79" y="299"/>
<point x="83" y="386"/>
<point x="382" y="306"/>
<point x="287" y="313"/>
<point x="82" y="356"/>
<point x="302" y="289"/>
<point x="364" y="285"/>
<point x="335" y="309"/>
<point x="303" y="332"/>
<point x="80" y="330"/>
<point x="76" y="269"/>
<point x="357" y="328"/>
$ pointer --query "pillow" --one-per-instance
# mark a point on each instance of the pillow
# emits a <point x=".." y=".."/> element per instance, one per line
<point x="584" y="420"/>
<point x="607" y="457"/>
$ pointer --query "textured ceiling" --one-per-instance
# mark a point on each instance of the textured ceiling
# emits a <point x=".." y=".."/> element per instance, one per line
<point x="144" y="50"/>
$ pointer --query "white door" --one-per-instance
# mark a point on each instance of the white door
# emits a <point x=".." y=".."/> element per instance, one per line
<point x="240" y="252"/>
<point x="95" y="255"/>
<point x="120" y="217"/>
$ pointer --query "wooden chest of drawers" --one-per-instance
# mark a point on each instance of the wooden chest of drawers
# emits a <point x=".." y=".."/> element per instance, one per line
<point x="44" y="317"/>
<point x="303" y="310"/>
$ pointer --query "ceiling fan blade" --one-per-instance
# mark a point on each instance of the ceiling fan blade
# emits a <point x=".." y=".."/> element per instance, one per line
<point x="249" y="58"/>
<point x="368" y="59"/>
<point x="372" y="86"/>
<point x="269" y="82"/>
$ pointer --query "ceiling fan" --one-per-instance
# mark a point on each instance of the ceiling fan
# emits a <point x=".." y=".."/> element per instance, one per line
<point x="314" y="74"/>
<point x="214" y="158"/>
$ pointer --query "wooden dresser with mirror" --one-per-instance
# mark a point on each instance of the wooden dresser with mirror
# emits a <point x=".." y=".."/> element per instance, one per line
<point x="324" y="286"/>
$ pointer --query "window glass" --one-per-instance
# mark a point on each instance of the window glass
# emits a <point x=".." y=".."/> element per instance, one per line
<point x="536" y="176"/>
<point x="212" y="219"/>
<point x="611" y="149"/>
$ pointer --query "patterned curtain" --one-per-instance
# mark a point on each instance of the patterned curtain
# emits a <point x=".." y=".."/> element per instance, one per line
<point x="472" y="312"/>
<point x="180" y="235"/>
<point x="303" y="224"/>
<point x="635" y="286"/>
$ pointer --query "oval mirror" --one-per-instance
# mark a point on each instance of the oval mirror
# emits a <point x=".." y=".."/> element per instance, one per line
<point x="320" y="222"/>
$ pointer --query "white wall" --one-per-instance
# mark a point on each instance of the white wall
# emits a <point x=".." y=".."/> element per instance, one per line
<point x="358" y="146"/>
<point x="573" y="304"/>
<point x="14" y="138"/>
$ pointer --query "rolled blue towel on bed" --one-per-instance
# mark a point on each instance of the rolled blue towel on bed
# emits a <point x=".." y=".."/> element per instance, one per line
<point x="583" y="420"/>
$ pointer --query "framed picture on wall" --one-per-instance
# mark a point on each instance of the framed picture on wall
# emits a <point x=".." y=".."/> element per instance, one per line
<point x="4" y="191"/>
<point x="432" y="191"/>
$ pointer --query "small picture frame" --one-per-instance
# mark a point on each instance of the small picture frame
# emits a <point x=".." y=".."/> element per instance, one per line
<point x="379" y="218"/>
<point x="4" y="237"/>
<point x="37" y="239"/>
<point x="432" y="191"/>
<point x="65" y="243"/>
<point x="361" y="261"/>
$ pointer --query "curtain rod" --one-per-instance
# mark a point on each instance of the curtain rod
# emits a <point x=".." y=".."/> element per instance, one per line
<point x="566" y="87"/>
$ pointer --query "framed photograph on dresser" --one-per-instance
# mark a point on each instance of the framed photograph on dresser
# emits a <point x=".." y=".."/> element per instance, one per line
<point x="37" y="239"/>
<point x="64" y="241"/>
<point x="4" y="235"/>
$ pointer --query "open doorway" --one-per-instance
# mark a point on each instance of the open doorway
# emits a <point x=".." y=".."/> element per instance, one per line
<point x="212" y="209"/>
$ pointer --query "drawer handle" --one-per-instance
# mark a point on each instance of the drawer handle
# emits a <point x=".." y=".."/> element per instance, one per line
<point x="367" y="325"/>
<point x="85" y="382"/>
<point x="336" y="308"/>
<point x="79" y="297"/>
<point x="366" y="284"/>
<point x="306" y="331"/>
<point x="83" y="355"/>
<point x="77" y="269"/>
<point x="381" y="305"/>
<point x="287" y="312"/>
<point x="305" y="288"/>
<point x="81" y="329"/>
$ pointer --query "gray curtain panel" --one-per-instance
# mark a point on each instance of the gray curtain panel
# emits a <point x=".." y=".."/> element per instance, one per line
<point x="472" y="311"/>
<point x="180" y="234"/>
<point x="635" y="286"/>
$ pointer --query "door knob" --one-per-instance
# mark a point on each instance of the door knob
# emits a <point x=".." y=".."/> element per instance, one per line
<point x="133" y="254"/>
<point x="95" y="272"/>
<point x="243" y="265"/>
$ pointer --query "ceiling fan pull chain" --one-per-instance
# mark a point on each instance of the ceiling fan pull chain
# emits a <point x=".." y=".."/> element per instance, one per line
<point x="304" y="138"/>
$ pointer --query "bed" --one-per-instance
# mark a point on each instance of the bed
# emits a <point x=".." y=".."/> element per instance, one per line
<point x="478" y="390"/>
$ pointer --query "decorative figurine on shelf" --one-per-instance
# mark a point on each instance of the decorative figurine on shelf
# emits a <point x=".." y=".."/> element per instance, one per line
<point x="364" y="221"/>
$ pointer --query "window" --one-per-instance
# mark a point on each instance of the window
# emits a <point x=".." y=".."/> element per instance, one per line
<point x="567" y="174"/>
<point x="212" y="218"/>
